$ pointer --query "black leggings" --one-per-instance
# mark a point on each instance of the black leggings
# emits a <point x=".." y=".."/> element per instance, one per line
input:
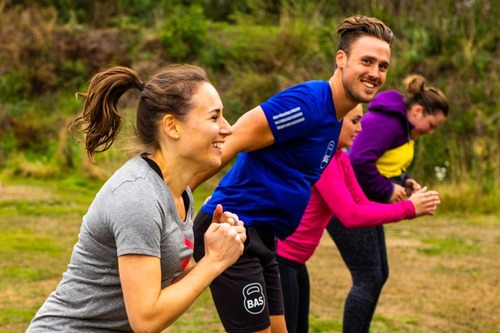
<point x="364" y="253"/>
<point x="296" y="294"/>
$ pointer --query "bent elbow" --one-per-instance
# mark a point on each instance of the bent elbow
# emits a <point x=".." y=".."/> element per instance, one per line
<point x="148" y="326"/>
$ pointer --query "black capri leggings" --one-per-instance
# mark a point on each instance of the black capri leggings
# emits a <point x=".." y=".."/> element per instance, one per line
<point x="364" y="253"/>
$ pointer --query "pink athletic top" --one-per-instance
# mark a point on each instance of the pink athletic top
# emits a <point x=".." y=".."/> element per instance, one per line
<point x="337" y="193"/>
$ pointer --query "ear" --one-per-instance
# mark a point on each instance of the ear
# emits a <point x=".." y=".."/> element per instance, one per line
<point x="417" y="110"/>
<point x="341" y="59"/>
<point x="169" y="126"/>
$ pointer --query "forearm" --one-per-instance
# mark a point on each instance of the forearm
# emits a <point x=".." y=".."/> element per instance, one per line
<point x="171" y="302"/>
<point x="178" y="297"/>
<point x="375" y="214"/>
<point x="348" y="203"/>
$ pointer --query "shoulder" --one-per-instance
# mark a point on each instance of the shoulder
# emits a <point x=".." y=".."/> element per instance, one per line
<point x="388" y="97"/>
<point x="133" y="182"/>
<point x="305" y="90"/>
<point x="389" y="103"/>
<point x="375" y="122"/>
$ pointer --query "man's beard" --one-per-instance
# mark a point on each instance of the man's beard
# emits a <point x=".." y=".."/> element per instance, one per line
<point x="354" y="96"/>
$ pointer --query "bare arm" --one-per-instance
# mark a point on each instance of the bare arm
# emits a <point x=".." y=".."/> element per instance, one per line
<point x="152" y="309"/>
<point x="250" y="132"/>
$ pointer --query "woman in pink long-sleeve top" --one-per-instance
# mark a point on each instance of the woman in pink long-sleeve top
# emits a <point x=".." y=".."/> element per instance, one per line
<point x="337" y="193"/>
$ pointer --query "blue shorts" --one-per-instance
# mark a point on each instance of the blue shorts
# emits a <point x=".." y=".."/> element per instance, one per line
<point x="249" y="291"/>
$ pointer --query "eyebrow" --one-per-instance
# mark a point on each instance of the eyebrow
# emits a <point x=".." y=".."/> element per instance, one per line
<point x="374" y="59"/>
<point x="385" y="63"/>
<point x="217" y="111"/>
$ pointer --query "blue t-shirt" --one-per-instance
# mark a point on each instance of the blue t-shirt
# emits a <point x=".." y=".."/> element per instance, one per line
<point x="270" y="187"/>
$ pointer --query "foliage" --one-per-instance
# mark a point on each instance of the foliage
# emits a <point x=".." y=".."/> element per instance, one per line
<point x="183" y="32"/>
<point x="50" y="49"/>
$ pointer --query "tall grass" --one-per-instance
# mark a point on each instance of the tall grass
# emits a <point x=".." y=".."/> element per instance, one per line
<point x="251" y="51"/>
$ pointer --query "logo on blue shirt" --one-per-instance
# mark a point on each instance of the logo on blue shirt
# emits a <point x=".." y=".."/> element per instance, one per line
<point x="328" y="154"/>
<point x="288" y="118"/>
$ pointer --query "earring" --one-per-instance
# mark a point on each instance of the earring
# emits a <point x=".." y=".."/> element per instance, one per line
<point x="176" y="137"/>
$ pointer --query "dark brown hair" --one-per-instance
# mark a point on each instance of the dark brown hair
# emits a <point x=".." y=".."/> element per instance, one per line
<point x="353" y="27"/>
<point x="432" y="99"/>
<point x="170" y="91"/>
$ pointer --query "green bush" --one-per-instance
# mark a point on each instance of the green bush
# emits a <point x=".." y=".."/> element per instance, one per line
<point x="251" y="50"/>
<point x="184" y="32"/>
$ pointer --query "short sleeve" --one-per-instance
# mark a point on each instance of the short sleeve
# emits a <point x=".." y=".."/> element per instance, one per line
<point x="136" y="222"/>
<point x="293" y="113"/>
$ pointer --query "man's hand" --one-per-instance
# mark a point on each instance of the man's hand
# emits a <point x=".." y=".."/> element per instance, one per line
<point x="411" y="186"/>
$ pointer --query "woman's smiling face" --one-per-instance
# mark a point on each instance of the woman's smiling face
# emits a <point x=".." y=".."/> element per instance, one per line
<point x="205" y="129"/>
<point x="351" y="127"/>
<point x="424" y="124"/>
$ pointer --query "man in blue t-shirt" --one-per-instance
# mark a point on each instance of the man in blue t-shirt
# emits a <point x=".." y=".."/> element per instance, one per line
<point x="283" y="146"/>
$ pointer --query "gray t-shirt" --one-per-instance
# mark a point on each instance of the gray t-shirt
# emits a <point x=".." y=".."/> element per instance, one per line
<point x="133" y="213"/>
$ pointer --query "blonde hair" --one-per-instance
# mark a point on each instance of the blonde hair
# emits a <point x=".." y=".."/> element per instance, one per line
<point x="417" y="92"/>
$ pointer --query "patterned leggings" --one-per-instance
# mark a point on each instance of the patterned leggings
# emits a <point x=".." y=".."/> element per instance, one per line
<point x="364" y="253"/>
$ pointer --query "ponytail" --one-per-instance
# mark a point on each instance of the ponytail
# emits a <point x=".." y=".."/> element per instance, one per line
<point x="100" y="119"/>
<point x="170" y="91"/>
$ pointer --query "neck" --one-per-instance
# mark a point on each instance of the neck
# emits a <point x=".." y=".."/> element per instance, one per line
<point x="342" y="103"/>
<point x="174" y="176"/>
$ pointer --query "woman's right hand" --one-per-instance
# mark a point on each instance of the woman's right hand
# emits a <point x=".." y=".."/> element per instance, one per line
<point x="224" y="239"/>
<point x="425" y="202"/>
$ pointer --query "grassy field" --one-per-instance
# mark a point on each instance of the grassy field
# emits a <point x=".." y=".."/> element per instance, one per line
<point x="445" y="270"/>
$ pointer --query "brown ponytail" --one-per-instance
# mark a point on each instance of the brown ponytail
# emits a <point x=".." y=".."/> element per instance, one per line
<point x="170" y="91"/>
<point x="100" y="119"/>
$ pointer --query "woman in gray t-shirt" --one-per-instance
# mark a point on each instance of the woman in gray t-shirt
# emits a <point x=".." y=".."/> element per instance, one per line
<point x="129" y="270"/>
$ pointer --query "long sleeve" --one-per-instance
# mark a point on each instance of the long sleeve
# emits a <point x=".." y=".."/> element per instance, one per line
<point x="379" y="132"/>
<point x="338" y="193"/>
<point x="345" y="198"/>
<point x="385" y="127"/>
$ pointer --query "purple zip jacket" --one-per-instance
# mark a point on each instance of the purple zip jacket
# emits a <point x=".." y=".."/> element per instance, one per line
<point x="385" y="127"/>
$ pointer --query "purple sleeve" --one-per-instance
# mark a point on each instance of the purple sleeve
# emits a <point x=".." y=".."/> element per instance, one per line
<point x="379" y="134"/>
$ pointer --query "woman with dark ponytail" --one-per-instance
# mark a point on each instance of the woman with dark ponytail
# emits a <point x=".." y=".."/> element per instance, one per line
<point x="130" y="269"/>
<point x="380" y="156"/>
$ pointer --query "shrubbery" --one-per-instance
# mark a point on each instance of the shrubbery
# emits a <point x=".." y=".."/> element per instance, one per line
<point x="50" y="49"/>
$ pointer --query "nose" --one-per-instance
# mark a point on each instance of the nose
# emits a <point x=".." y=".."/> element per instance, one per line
<point x="225" y="128"/>
<point x="374" y="71"/>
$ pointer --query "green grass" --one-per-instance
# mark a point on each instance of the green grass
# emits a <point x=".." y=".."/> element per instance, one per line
<point x="447" y="246"/>
<point x="444" y="271"/>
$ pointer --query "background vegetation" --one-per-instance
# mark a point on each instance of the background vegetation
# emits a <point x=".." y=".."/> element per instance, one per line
<point x="445" y="275"/>
<point x="251" y="49"/>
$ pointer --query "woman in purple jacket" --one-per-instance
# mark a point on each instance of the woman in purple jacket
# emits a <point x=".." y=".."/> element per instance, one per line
<point x="380" y="156"/>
